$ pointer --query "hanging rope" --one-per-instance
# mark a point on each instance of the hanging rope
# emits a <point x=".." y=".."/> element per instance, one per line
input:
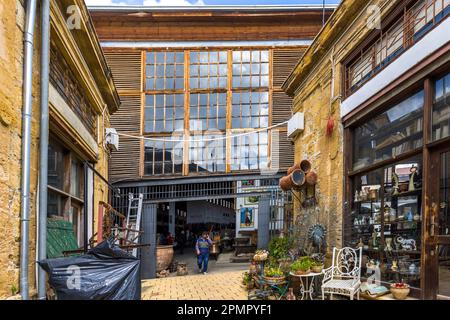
<point x="205" y="139"/>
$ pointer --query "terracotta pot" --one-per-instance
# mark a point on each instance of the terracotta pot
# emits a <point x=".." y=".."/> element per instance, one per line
<point x="400" y="293"/>
<point x="298" y="178"/>
<point x="301" y="272"/>
<point x="275" y="280"/>
<point x="295" y="179"/>
<point x="293" y="168"/>
<point x="317" y="269"/>
<point x="311" y="178"/>
<point x="286" y="183"/>
<point x="164" y="257"/>
<point x="305" y="166"/>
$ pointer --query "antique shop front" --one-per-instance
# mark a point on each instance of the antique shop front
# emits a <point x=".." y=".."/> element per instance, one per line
<point x="396" y="115"/>
<point x="397" y="165"/>
<point x="376" y="107"/>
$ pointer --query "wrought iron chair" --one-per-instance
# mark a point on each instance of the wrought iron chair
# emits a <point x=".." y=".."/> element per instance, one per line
<point x="344" y="276"/>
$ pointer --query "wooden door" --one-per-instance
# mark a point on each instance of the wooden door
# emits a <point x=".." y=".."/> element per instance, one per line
<point x="437" y="267"/>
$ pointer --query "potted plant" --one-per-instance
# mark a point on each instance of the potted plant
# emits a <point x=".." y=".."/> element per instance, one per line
<point x="400" y="291"/>
<point x="317" y="267"/>
<point x="274" y="275"/>
<point x="302" y="266"/>
<point x="279" y="248"/>
<point x="248" y="281"/>
<point x="317" y="263"/>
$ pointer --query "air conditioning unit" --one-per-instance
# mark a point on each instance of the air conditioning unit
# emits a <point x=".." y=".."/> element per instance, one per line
<point x="112" y="139"/>
<point x="296" y="124"/>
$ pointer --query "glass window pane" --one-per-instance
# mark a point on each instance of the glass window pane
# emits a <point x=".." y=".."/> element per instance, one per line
<point x="150" y="58"/>
<point x="391" y="133"/>
<point x="441" y="109"/>
<point x="56" y="166"/>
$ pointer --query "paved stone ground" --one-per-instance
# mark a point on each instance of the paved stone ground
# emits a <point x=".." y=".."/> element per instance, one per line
<point x="223" y="281"/>
<point x="216" y="286"/>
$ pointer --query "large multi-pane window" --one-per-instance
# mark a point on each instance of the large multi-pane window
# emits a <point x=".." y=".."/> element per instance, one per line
<point x="207" y="153"/>
<point x="227" y="92"/>
<point x="250" y="69"/>
<point x="412" y="23"/>
<point x="163" y="156"/>
<point x="250" y="110"/>
<point x="391" y="133"/>
<point x="208" y="69"/>
<point x="441" y="108"/>
<point x="208" y="111"/>
<point x="164" y="71"/>
<point x="250" y="152"/>
<point x="164" y="113"/>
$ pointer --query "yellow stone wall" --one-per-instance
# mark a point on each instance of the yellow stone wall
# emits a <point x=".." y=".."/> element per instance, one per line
<point x="12" y="15"/>
<point x="319" y="98"/>
<point x="12" y="18"/>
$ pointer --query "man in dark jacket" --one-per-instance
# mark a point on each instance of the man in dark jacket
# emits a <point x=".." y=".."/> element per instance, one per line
<point x="202" y="249"/>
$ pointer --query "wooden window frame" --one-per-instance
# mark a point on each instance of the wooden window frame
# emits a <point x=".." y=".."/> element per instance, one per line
<point x="403" y="12"/>
<point x="69" y="199"/>
<point x="188" y="91"/>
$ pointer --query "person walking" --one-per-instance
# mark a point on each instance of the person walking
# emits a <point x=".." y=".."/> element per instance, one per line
<point x="181" y="241"/>
<point x="202" y="248"/>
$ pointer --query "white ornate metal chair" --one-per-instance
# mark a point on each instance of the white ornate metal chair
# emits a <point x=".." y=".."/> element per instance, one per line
<point x="344" y="276"/>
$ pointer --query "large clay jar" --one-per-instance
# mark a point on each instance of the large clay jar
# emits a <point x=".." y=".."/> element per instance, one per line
<point x="293" y="168"/>
<point x="164" y="257"/>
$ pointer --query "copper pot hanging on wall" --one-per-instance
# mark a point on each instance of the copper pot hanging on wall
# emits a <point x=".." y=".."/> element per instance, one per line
<point x="293" y="168"/>
<point x="295" y="179"/>
<point x="311" y="178"/>
<point x="305" y="166"/>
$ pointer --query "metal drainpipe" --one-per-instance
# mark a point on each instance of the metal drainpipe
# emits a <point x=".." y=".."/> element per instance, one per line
<point x="43" y="148"/>
<point x="26" y="145"/>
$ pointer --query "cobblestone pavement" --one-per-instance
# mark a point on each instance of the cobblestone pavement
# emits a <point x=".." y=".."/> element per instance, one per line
<point x="217" y="286"/>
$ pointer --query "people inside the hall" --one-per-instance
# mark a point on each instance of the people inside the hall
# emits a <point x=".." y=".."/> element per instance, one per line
<point x="162" y="239"/>
<point x="170" y="239"/>
<point x="202" y="248"/>
<point x="181" y="241"/>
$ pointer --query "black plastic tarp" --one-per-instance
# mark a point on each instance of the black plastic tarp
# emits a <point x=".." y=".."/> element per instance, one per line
<point x="106" y="272"/>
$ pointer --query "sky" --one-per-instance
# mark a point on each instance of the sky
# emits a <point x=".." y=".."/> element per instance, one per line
<point x="206" y="2"/>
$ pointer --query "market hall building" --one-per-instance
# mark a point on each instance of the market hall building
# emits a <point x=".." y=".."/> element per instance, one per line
<point x="187" y="77"/>
<point x="374" y="89"/>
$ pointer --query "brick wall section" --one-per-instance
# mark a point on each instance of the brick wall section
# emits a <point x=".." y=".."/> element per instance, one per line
<point x="12" y="16"/>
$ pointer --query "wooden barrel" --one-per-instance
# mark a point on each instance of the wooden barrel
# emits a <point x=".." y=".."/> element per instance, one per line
<point x="305" y="166"/>
<point x="164" y="257"/>
<point x="311" y="178"/>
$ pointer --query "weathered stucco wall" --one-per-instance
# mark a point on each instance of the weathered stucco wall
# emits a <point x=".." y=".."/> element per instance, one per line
<point x="317" y="83"/>
<point x="324" y="152"/>
<point x="318" y="95"/>
<point x="12" y="16"/>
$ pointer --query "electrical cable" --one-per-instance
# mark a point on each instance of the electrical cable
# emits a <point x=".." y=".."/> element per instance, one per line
<point x="202" y="140"/>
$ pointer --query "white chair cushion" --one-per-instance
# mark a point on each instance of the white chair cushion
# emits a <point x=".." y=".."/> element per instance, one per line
<point x="341" y="284"/>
